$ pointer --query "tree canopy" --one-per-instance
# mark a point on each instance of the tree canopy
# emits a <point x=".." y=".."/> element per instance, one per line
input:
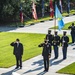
<point x="9" y="9"/>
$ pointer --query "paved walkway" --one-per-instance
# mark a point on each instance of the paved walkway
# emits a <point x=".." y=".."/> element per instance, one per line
<point x="35" y="66"/>
<point x="39" y="27"/>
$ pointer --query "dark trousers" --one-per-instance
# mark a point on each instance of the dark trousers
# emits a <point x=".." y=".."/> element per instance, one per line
<point x="46" y="63"/>
<point x="73" y="37"/>
<point x="18" y="61"/>
<point x="56" y="51"/>
<point x="64" y="50"/>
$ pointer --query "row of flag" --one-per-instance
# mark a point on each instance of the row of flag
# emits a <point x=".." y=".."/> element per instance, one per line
<point x="57" y="14"/>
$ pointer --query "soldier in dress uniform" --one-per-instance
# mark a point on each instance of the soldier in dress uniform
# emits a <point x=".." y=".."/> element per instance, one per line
<point x="49" y="36"/>
<point x="56" y="43"/>
<point x="46" y="53"/>
<point x="72" y="27"/>
<point x="64" y="43"/>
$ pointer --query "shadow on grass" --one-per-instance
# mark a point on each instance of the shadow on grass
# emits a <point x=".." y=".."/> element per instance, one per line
<point x="3" y="29"/>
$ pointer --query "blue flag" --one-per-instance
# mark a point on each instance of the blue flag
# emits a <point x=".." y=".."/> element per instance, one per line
<point x="59" y="17"/>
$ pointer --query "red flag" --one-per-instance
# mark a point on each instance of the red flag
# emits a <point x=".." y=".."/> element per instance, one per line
<point x="51" y="9"/>
<point x="21" y="16"/>
<point x="34" y="11"/>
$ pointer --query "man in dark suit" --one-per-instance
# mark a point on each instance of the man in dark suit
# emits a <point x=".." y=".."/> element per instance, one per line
<point x="46" y="54"/>
<point x="64" y="43"/>
<point x="18" y="52"/>
<point x="72" y="27"/>
<point x="56" y="43"/>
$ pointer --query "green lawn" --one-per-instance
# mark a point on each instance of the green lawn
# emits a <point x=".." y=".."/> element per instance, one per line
<point x="30" y="42"/>
<point x="70" y="69"/>
<point x="65" y="26"/>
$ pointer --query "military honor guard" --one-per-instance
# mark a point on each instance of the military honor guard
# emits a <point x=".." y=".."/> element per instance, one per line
<point x="64" y="43"/>
<point x="56" y="43"/>
<point x="72" y="27"/>
<point x="49" y="36"/>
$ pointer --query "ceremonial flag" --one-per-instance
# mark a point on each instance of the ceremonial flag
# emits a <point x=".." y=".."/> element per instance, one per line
<point x="51" y="9"/>
<point x="21" y="14"/>
<point x="68" y="6"/>
<point x="42" y="8"/>
<point x="34" y="11"/>
<point x="59" y="17"/>
<point x="60" y="3"/>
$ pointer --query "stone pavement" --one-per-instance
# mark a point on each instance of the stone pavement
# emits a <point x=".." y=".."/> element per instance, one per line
<point x="35" y="66"/>
<point x="39" y="27"/>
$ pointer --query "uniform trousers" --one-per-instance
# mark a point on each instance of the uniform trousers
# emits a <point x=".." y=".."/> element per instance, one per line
<point x="46" y="63"/>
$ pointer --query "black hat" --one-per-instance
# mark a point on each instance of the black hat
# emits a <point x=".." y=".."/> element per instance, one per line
<point x="49" y="31"/>
<point x="56" y="32"/>
<point x="64" y="32"/>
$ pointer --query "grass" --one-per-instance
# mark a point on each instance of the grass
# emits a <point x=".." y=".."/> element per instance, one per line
<point x="70" y="69"/>
<point x="30" y="42"/>
<point x="37" y="21"/>
<point x="65" y="26"/>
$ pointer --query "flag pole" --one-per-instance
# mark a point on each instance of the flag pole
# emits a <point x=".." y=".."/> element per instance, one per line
<point x="55" y="19"/>
<point x="54" y="24"/>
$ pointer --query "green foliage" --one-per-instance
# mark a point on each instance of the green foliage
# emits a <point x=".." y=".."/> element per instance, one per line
<point x="70" y="69"/>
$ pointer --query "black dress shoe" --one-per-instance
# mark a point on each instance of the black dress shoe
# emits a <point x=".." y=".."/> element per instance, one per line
<point x="20" y="67"/>
<point x="44" y="70"/>
<point x="55" y="57"/>
<point x="16" y="67"/>
<point x="64" y="58"/>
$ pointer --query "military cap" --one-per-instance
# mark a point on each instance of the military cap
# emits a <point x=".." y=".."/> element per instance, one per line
<point x="56" y="32"/>
<point x="64" y="32"/>
<point x="49" y="30"/>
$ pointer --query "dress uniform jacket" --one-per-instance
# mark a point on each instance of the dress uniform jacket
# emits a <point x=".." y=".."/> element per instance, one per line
<point x="66" y="39"/>
<point x="50" y="38"/>
<point x="46" y="49"/>
<point x="56" y="40"/>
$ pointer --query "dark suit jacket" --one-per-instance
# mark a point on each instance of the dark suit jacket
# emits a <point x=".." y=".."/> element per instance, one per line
<point x="18" y="51"/>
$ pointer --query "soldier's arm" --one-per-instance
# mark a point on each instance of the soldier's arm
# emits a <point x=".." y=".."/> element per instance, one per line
<point x="40" y="45"/>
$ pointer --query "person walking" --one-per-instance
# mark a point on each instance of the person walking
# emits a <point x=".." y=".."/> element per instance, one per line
<point x="46" y="54"/>
<point x="64" y="43"/>
<point x="72" y="27"/>
<point x="18" y="52"/>
<point x="56" y="43"/>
